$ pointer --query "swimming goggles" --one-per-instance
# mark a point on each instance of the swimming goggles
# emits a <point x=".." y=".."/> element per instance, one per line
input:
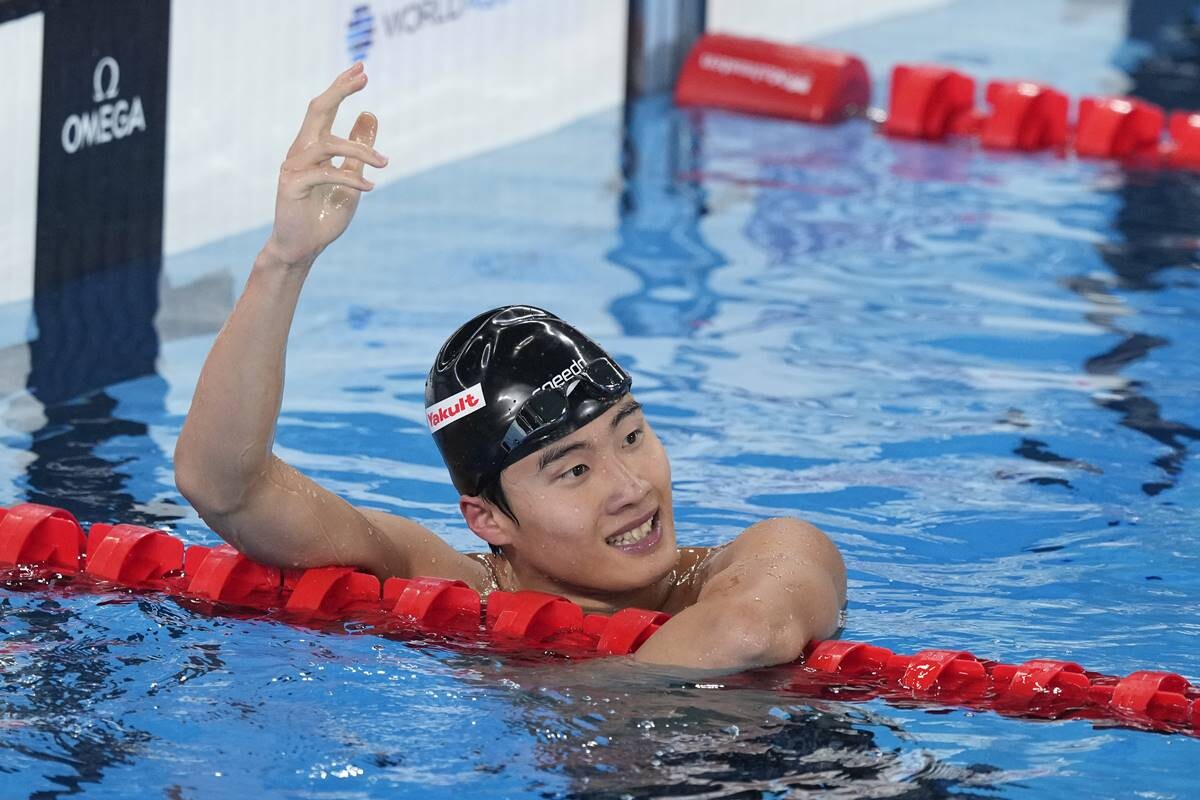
<point x="547" y="409"/>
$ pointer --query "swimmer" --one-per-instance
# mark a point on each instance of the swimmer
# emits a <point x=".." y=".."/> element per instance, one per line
<point x="557" y="468"/>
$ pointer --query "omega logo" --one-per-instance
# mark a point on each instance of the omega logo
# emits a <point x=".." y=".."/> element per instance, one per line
<point x="108" y="120"/>
<point x="99" y="92"/>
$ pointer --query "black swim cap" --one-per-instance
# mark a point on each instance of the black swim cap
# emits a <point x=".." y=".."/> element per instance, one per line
<point x="509" y="382"/>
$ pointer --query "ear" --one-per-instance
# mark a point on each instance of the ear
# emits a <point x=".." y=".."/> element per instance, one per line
<point x="485" y="520"/>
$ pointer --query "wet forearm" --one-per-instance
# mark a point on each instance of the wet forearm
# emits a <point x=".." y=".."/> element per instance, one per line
<point x="725" y="636"/>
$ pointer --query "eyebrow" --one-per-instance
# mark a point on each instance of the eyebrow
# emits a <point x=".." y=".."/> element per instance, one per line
<point x="630" y="407"/>
<point x="552" y="454"/>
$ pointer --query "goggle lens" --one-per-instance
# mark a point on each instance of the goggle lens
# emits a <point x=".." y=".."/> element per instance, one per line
<point x="548" y="408"/>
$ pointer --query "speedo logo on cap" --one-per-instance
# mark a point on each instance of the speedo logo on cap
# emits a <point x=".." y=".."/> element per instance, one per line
<point x="563" y="378"/>
<point x="468" y="401"/>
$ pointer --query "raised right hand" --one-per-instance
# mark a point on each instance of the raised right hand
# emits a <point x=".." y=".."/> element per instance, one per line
<point x="316" y="200"/>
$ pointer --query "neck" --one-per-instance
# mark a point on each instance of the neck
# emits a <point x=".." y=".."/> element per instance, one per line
<point x="515" y="576"/>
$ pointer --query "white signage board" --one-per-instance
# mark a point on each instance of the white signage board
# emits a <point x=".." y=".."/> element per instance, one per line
<point x="21" y="96"/>
<point x="448" y="79"/>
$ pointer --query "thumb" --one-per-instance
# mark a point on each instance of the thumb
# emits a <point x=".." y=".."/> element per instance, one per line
<point x="364" y="131"/>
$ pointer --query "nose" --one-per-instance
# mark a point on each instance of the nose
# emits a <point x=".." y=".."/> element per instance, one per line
<point x="628" y="487"/>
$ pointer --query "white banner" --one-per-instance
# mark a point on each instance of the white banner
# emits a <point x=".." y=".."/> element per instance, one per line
<point x="801" y="20"/>
<point x="21" y="99"/>
<point x="448" y="79"/>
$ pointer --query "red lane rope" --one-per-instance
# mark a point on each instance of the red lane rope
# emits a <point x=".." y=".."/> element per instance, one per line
<point x="37" y="541"/>
<point x="931" y="102"/>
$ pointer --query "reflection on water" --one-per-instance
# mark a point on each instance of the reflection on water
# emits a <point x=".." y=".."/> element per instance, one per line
<point x="1159" y="225"/>
<point x="620" y="730"/>
<point x="60" y="680"/>
<point x="659" y="226"/>
<point x="1140" y="412"/>
<point x="69" y="473"/>
<point x="94" y="331"/>
<point x="60" y="665"/>
<point x="824" y="199"/>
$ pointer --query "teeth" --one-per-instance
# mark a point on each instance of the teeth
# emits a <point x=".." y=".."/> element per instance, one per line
<point x="634" y="536"/>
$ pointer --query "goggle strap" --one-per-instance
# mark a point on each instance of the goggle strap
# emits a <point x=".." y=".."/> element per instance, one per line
<point x="513" y="437"/>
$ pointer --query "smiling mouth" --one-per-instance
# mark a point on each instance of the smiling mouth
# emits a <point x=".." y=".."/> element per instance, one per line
<point x="632" y="537"/>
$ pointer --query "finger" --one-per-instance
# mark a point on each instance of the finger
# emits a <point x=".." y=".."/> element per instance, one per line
<point x="320" y="152"/>
<point x="322" y="109"/>
<point x="365" y="129"/>
<point x="331" y="176"/>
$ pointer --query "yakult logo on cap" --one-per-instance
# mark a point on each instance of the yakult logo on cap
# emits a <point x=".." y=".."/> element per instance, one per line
<point x="468" y="401"/>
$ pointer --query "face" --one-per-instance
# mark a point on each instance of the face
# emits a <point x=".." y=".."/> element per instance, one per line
<point x="594" y="508"/>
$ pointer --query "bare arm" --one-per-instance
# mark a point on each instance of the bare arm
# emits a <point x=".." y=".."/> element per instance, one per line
<point x="767" y="594"/>
<point x="224" y="464"/>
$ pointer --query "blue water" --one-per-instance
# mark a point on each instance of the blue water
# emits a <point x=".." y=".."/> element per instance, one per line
<point x="978" y="373"/>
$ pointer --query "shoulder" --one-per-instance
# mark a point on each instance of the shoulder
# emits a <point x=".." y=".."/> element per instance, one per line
<point x="778" y="545"/>
<point x="781" y="537"/>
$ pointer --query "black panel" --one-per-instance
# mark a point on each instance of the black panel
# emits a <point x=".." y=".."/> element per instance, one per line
<point x="11" y="9"/>
<point x="100" y="193"/>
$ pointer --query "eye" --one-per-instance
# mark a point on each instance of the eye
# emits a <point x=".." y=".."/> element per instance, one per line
<point x="634" y="436"/>
<point x="577" y="471"/>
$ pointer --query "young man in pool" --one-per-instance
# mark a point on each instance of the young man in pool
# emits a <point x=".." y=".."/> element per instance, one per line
<point x="557" y="467"/>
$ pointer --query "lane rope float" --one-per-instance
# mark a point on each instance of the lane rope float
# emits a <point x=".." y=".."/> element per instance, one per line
<point x="40" y="543"/>
<point x="932" y="102"/>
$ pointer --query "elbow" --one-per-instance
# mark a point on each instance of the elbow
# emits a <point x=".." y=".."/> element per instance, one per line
<point x="201" y="486"/>
<point x="190" y="478"/>
<point x="217" y="510"/>
<point x="188" y="465"/>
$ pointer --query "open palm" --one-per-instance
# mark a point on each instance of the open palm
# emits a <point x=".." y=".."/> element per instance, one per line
<point x="316" y="199"/>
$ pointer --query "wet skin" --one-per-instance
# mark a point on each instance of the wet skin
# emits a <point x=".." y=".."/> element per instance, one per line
<point x="572" y="498"/>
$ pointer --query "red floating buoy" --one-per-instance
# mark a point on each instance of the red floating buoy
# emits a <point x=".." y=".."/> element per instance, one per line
<point x="930" y="102"/>
<point x="134" y="556"/>
<point x="436" y="603"/>
<point x="778" y="80"/>
<point x="942" y="673"/>
<point x="1183" y="150"/>
<point x="1117" y="127"/>
<point x="42" y="536"/>
<point x="1040" y="686"/>
<point x="1159" y="696"/>
<point x="850" y="659"/>
<point x="1025" y="116"/>
<point x="224" y="575"/>
<point x="332" y="592"/>
<point x="628" y="629"/>
<point x="532" y="615"/>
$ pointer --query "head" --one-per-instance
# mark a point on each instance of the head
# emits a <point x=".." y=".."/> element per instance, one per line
<point x="554" y="460"/>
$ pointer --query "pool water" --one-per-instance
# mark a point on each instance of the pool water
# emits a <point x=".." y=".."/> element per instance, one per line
<point x="977" y="372"/>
